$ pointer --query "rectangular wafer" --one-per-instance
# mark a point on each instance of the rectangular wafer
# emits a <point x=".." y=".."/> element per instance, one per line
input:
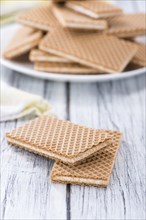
<point x="94" y="9"/>
<point x="70" y="19"/>
<point x="23" y="41"/>
<point x="96" y="171"/>
<point x="127" y="25"/>
<point x="40" y="18"/>
<point x="64" y="67"/>
<point x="59" y="139"/>
<point x="105" y="53"/>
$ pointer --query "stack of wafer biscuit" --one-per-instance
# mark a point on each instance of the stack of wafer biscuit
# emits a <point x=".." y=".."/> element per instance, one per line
<point x="82" y="155"/>
<point x="79" y="37"/>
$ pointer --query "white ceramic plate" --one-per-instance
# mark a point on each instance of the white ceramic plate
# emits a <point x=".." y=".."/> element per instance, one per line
<point x="27" y="68"/>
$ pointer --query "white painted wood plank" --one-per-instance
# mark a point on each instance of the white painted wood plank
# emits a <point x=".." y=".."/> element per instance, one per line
<point x="127" y="5"/>
<point x="141" y="5"/>
<point x="27" y="192"/>
<point x="113" y="105"/>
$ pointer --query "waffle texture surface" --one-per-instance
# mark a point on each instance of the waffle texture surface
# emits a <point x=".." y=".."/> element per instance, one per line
<point x="96" y="171"/>
<point x="127" y="25"/>
<point x="41" y="18"/>
<point x="59" y="139"/>
<point x="111" y="56"/>
<point x="140" y="56"/>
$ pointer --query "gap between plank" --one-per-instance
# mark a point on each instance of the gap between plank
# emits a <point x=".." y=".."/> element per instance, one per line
<point x="68" y="188"/>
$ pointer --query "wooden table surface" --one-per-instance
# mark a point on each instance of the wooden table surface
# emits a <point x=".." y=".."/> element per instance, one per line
<point x="26" y="188"/>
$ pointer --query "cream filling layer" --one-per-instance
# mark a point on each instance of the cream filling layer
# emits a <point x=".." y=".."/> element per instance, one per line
<point x="90" y="13"/>
<point x="80" y="180"/>
<point x="86" y="26"/>
<point x="74" y="160"/>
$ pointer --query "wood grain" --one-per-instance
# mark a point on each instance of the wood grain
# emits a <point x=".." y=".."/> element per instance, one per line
<point x="27" y="192"/>
<point x="26" y="189"/>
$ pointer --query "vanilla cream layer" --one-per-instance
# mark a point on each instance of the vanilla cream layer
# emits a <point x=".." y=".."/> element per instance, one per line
<point x="80" y="180"/>
<point x="85" y="26"/>
<point x="90" y="13"/>
<point x="46" y="153"/>
<point x="49" y="59"/>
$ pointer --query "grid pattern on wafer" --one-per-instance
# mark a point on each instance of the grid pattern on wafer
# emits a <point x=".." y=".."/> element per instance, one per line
<point x="98" y="167"/>
<point x="106" y="53"/>
<point x="69" y="68"/>
<point x="68" y="17"/>
<point x="127" y="25"/>
<point x="58" y="136"/>
<point x="98" y="7"/>
<point x="40" y="17"/>
<point x="140" y="56"/>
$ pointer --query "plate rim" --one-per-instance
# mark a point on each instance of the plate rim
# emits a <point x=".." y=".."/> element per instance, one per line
<point x="64" y="77"/>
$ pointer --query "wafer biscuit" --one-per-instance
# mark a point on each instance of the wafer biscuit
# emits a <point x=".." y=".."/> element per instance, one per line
<point x="94" y="9"/>
<point x="68" y="68"/>
<point x="40" y="18"/>
<point x="59" y="139"/>
<point x="127" y="25"/>
<point x="96" y="171"/>
<point x="105" y="53"/>
<point x="140" y="57"/>
<point x="37" y="55"/>
<point x="73" y="20"/>
<point x="23" y="40"/>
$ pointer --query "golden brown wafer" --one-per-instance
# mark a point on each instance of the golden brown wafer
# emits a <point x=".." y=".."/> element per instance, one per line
<point x="96" y="171"/>
<point x="66" y="68"/>
<point x="94" y="9"/>
<point x="59" y="139"/>
<point x="105" y="53"/>
<point x="73" y="20"/>
<point x="140" y="57"/>
<point x="37" y="55"/>
<point x="127" y="25"/>
<point x="40" y="18"/>
<point x="23" y="40"/>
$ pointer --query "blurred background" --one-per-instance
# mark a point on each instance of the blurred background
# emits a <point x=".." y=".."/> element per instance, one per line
<point x="10" y="8"/>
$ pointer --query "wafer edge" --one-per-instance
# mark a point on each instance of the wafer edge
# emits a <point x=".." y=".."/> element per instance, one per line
<point x="86" y="181"/>
<point x="20" y="50"/>
<point x="139" y="62"/>
<point x="33" y="24"/>
<point x="71" y="70"/>
<point x="79" y="181"/>
<point x="27" y="44"/>
<point x="34" y="57"/>
<point x="86" y="63"/>
<point x="91" y="14"/>
<point x="75" y="25"/>
<point x="126" y="33"/>
<point x="76" y="159"/>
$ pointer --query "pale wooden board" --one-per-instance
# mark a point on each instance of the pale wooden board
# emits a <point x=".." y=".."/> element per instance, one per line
<point x="108" y="106"/>
<point x="115" y="105"/>
<point x="26" y="190"/>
